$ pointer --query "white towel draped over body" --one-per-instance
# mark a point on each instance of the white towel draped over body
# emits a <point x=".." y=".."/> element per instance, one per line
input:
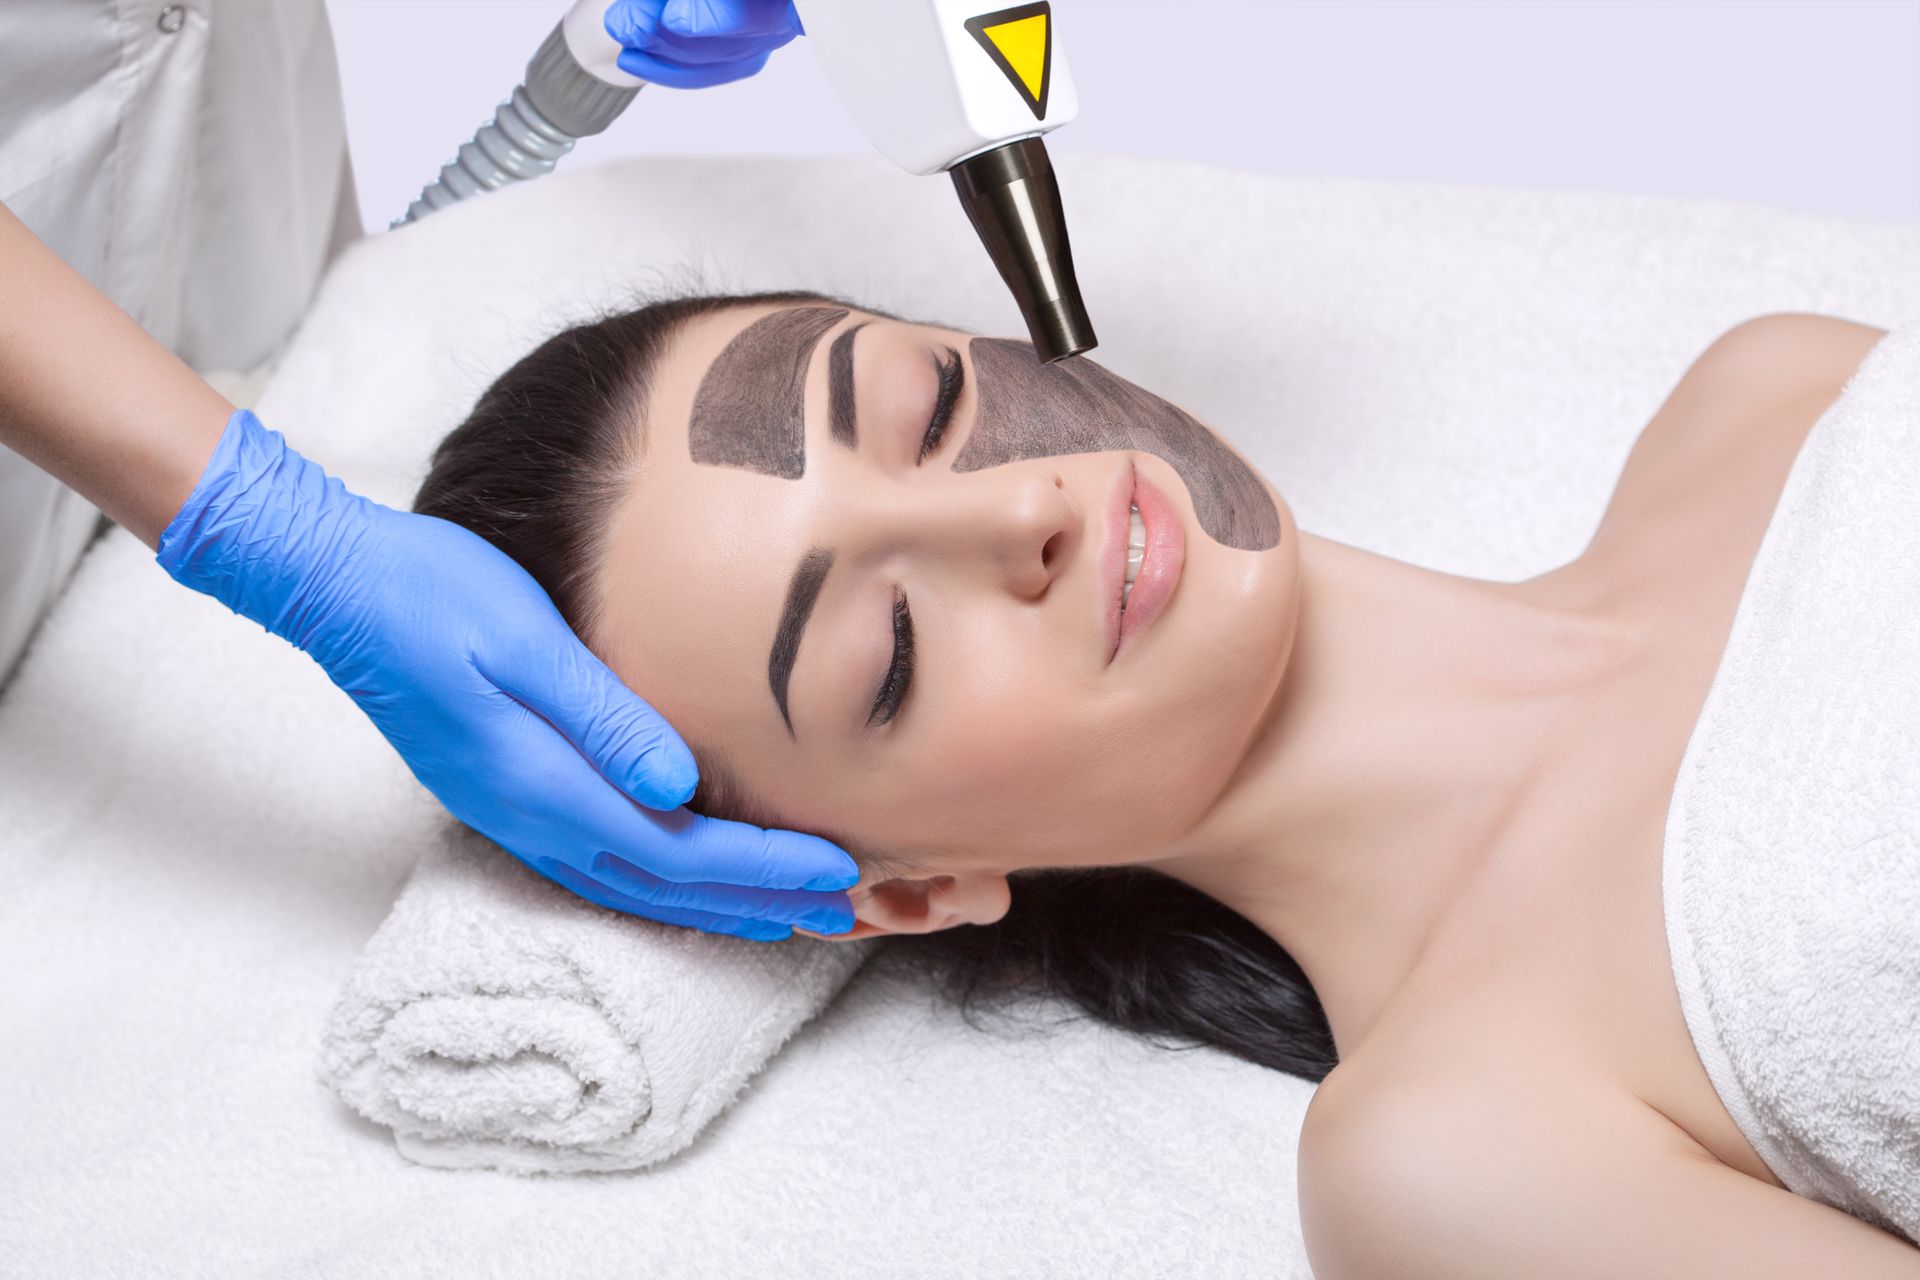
<point x="1791" y="870"/>
<point x="496" y="1020"/>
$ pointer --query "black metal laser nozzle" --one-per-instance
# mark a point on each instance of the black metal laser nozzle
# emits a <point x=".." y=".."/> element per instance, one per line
<point x="1012" y="200"/>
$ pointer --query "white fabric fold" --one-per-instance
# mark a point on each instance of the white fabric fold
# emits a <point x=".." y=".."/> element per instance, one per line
<point x="497" y="1021"/>
<point x="1791" y="869"/>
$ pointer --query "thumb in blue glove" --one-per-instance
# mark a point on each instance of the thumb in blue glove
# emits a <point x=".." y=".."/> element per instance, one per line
<point x="695" y="44"/>
<point x="461" y="660"/>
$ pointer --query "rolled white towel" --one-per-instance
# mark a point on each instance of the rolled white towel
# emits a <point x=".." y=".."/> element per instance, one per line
<point x="495" y="1020"/>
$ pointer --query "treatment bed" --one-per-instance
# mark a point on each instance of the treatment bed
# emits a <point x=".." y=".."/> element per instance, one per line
<point x="198" y="834"/>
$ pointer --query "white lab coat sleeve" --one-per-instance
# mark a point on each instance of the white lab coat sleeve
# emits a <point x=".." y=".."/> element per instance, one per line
<point x="190" y="160"/>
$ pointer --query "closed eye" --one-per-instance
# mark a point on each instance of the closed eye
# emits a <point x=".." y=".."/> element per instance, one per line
<point x="899" y="677"/>
<point x="953" y="380"/>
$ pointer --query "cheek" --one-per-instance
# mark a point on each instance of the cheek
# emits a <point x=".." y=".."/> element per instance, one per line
<point x="1003" y="762"/>
<point x="1017" y="763"/>
<point x="1028" y="767"/>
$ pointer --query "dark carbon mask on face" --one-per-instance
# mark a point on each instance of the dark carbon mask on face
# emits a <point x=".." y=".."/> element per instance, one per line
<point x="1032" y="410"/>
<point x="751" y="408"/>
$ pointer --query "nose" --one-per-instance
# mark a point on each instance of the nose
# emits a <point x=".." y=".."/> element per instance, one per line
<point x="1020" y="527"/>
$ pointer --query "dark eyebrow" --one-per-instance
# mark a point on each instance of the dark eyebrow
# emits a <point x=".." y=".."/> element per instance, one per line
<point x="750" y="410"/>
<point x="808" y="578"/>
<point x="840" y="385"/>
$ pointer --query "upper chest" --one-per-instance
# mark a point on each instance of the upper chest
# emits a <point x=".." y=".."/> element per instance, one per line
<point x="1554" y="961"/>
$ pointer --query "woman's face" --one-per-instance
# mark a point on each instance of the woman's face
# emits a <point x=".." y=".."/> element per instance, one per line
<point x="784" y="535"/>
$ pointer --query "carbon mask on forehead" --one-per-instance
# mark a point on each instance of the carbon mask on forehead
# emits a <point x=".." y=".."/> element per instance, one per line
<point x="1032" y="410"/>
<point x="751" y="408"/>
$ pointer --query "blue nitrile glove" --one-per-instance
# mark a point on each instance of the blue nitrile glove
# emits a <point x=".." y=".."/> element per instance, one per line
<point x="451" y="648"/>
<point x="694" y="44"/>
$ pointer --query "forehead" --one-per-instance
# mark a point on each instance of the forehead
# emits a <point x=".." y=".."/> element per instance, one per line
<point x="700" y="553"/>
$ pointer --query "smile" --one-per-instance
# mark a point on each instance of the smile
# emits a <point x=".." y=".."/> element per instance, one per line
<point x="1136" y="551"/>
<point x="1145" y="553"/>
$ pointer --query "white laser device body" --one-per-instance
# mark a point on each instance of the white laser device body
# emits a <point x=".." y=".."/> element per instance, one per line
<point x="955" y="86"/>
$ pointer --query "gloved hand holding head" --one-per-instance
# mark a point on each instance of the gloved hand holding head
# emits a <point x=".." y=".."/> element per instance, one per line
<point x="874" y="572"/>
<point x="461" y="660"/>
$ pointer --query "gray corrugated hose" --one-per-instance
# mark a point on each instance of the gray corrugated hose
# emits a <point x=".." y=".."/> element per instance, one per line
<point x="556" y="104"/>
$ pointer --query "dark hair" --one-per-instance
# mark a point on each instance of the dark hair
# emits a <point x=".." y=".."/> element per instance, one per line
<point x="538" y="469"/>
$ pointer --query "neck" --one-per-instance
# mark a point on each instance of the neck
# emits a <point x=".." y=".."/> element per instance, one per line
<point x="1415" y="707"/>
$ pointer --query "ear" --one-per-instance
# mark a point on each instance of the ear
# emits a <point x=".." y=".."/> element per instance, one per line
<point x="923" y="905"/>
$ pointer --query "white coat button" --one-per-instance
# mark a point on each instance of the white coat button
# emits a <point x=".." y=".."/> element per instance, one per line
<point x="172" y="18"/>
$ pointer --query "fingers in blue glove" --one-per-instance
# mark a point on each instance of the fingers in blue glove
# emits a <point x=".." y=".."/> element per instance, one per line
<point x="706" y="18"/>
<point x="633" y="22"/>
<point x="629" y="742"/>
<point x="827" y="913"/>
<point x="675" y="76"/>
<point x="706" y="849"/>
<point x="695" y="44"/>
<point x="703" y="52"/>
<point x="558" y="791"/>
<point x="710" y="922"/>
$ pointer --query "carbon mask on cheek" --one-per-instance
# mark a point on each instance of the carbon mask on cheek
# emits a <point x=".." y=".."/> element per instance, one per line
<point x="1032" y="410"/>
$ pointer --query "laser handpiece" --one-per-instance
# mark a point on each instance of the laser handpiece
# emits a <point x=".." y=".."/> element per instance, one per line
<point x="938" y="85"/>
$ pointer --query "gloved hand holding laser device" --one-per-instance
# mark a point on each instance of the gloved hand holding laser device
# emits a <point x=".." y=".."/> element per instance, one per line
<point x="967" y="88"/>
<point x="695" y="44"/>
<point x="451" y="648"/>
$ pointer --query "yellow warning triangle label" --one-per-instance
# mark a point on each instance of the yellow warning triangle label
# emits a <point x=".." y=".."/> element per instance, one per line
<point x="1024" y="44"/>
<point x="1020" y="42"/>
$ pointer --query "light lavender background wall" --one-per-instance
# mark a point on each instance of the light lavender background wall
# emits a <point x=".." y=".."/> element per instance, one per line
<point x="1801" y="104"/>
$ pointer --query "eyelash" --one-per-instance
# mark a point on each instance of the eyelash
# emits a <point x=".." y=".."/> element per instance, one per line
<point x="893" y="690"/>
<point x="953" y="378"/>
<point x="899" y="678"/>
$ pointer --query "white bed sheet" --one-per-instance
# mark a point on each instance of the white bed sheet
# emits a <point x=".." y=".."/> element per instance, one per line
<point x="197" y="833"/>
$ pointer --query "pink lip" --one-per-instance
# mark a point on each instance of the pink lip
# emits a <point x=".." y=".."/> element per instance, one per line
<point x="1159" y="569"/>
<point x="1113" y="559"/>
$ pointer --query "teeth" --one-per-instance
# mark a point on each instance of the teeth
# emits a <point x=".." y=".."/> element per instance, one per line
<point x="1136" y="551"/>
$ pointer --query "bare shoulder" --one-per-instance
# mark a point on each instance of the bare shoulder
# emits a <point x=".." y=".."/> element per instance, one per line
<point x="1442" y="1178"/>
<point x="1733" y="424"/>
<point x="1808" y="334"/>
<point x="1788" y="365"/>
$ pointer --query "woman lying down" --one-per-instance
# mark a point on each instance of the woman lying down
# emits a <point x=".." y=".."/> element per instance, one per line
<point x="1058" y="668"/>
